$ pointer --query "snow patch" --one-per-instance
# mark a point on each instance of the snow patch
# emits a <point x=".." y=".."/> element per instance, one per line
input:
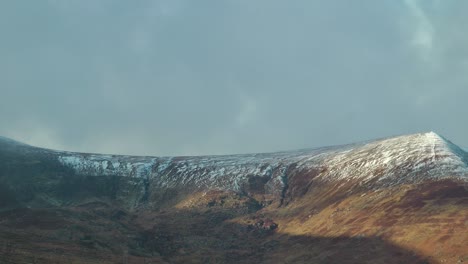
<point x="391" y="161"/>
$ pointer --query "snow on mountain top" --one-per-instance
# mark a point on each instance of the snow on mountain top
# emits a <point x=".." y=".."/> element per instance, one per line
<point x="402" y="159"/>
<point x="406" y="158"/>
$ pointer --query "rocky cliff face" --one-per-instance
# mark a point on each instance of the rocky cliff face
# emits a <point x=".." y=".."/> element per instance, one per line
<point x="369" y="189"/>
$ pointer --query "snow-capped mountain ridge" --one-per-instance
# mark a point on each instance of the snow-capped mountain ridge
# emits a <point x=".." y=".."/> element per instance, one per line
<point x="390" y="161"/>
<point x="406" y="158"/>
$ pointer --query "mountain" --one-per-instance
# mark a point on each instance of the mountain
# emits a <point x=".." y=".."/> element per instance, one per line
<point x="394" y="200"/>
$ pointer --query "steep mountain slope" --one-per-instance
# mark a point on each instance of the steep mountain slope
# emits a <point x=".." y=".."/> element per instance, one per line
<point x="418" y="157"/>
<point x="394" y="200"/>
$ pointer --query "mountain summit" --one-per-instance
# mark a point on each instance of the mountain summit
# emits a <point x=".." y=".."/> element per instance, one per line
<point x="386" y="189"/>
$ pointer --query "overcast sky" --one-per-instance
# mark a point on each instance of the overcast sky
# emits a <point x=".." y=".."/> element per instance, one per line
<point x="186" y="77"/>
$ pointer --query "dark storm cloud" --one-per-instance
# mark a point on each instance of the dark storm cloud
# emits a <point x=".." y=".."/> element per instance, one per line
<point x="181" y="77"/>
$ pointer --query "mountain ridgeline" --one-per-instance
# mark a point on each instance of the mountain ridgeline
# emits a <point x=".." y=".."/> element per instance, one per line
<point x="392" y="200"/>
<point x="33" y="176"/>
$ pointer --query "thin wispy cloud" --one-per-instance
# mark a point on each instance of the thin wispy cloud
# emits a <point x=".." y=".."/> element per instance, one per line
<point x="423" y="36"/>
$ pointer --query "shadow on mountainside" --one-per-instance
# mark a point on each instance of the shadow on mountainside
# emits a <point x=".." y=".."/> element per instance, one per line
<point x="101" y="233"/>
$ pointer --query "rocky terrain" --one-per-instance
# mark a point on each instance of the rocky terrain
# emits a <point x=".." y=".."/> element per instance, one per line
<point x="393" y="200"/>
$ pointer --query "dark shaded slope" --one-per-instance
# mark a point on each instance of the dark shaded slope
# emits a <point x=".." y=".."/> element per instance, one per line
<point x="33" y="177"/>
<point x="102" y="234"/>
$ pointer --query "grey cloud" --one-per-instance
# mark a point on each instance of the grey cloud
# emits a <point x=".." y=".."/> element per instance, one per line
<point x="213" y="77"/>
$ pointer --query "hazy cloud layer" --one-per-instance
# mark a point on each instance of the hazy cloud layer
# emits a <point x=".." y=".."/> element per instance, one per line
<point x="180" y="77"/>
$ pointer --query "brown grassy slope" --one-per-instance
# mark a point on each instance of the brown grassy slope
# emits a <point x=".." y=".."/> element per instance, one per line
<point x="424" y="223"/>
<point x="197" y="237"/>
<point x="430" y="219"/>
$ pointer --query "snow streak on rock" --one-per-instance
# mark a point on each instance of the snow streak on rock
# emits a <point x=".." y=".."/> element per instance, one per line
<point x="411" y="158"/>
<point x="404" y="159"/>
